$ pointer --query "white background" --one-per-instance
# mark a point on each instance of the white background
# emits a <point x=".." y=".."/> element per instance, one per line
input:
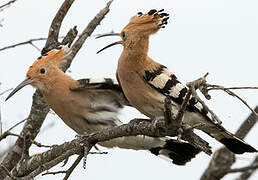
<point x="215" y="36"/>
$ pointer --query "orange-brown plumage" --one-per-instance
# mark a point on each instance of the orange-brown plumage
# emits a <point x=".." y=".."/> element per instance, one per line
<point x="90" y="105"/>
<point x="147" y="83"/>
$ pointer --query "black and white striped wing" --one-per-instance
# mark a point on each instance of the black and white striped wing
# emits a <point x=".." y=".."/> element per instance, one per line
<point x="167" y="83"/>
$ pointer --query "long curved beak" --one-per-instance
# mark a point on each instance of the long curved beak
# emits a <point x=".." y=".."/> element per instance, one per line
<point x="26" y="82"/>
<point x="110" y="45"/>
<point x="108" y="34"/>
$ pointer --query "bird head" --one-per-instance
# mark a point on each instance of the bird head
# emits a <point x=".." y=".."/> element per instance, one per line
<point x="43" y="69"/>
<point x="140" y="27"/>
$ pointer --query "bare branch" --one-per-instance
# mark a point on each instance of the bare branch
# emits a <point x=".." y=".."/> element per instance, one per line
<point x="44" y="161"/>
<point x="236" y="170"/>
<point x="246" y="174"/>
<point x="39" y="144"/>
<point x="5" y="91"/>
<point x="23" y="43"/>
<point x="216" y="87"/>
<point x="88" y="31"/>
<point x="71" y="35"/>
<point x="6" y="4"/>
<point x="228" y="91"/>
<point x="8" y="133"/>
<point x="223" y="159"/>
<point x="39" y="108"/>
<point x="69" y="171"/>
<point x="52" y="41"/>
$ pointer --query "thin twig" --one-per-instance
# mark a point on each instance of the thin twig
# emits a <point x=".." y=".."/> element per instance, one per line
<point x="70" y="170"/>
<point x="23" y="43"/>
<point x="181" y="112"/>
<point x="5" y="91"/>
<point x="7" y="4"/>
<point x="223" y="159"/>
<point x="88" y="31"/>
<point x="53" y="173"/>
<point x="17" y="124"/>
<point x="228" y="91"/>
<point x="216" y="87"/>
<point x="243" y="169"/>
<point x="30" y="41"/>
<point x="85" y="155"/>
<point x="8" y="133"/>
<point x="35" y="46"/>
<point x="246" y="174"/>
<point x="98" y="152"/>
<point x="202" y="83"/>
<point x="39" y="144"/>
<point x="168" y="116"/>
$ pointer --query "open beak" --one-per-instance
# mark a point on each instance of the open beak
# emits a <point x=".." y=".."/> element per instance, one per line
<point x="108" y="46"/>
<point x="26" y="82"/>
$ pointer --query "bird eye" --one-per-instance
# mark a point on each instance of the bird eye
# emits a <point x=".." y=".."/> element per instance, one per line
<point x="123" y="35"/>
<point x="42" y="71"/>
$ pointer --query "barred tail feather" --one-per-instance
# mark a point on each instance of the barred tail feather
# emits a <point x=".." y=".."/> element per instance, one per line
<point x="232" y="142"/>
<point x="179" y="153"/>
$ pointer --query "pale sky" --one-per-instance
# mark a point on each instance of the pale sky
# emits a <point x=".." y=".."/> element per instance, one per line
<point x="215" y="36"/>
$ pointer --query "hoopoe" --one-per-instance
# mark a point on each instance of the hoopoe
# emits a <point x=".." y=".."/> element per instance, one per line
<point x="146" y="83"/>
<point x="89" y="105"/>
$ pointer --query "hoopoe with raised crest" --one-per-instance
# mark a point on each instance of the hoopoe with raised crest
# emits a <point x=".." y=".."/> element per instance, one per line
<point x="146" y="83"/>
<point x="90" y="105"/>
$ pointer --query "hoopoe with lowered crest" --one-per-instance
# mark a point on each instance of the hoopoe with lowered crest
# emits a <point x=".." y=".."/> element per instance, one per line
<point x="146" y="83"/>
<point x="90" y="105"/>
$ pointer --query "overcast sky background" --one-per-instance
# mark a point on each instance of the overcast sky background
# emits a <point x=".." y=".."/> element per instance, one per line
<point x="215" y="36"/>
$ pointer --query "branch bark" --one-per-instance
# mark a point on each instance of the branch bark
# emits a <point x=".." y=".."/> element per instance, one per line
<point x="44" y="161"/>
<point x="52" y="41"/>
<point x="223" y="159"/>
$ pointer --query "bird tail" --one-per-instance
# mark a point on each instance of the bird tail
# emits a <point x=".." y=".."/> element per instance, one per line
<point x="178" y="153"/>
<point x="232" y="142"/>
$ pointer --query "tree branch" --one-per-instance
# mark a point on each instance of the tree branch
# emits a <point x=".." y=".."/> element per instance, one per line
<point x="22" y="43"/>
<point x="44" y="161"/>
<point x="7" y="132"/>
<point x="87" y="32"/>
<point x="223" y="159"/>
<point x="52" y="41"/>
<point x="7" y="4"/>
<point x="252" y="167"/>
<point x="246" y="174"/>
<point x="39" y="108"/>
<point x="231" y="93"/>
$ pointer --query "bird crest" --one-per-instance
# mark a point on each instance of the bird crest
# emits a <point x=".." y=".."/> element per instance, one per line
<point x="152" y="20"/>
<point x="53" y="58"/>
<point x="141" y="26"/>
